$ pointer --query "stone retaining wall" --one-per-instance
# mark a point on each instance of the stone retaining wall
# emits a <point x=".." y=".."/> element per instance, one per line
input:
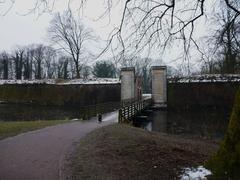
<point x="49" y="94"/>
<point x="202" y="94"/>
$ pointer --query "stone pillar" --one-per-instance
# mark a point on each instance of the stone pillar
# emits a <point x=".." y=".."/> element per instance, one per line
<point x="159" y="86"/>
<point x="127" y="83"/>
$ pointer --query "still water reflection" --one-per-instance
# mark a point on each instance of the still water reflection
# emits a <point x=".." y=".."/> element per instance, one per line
<point x="201" y="123"/>
<point x="210" y="123"/>
<point x="17" y="112"/>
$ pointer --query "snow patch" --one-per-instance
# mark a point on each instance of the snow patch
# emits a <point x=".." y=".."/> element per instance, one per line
<point x="199" y="173"/>
<point x="205" y="78"/>
<point x="64" y="82"/>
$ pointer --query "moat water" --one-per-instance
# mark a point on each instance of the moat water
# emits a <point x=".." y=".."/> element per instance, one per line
<point x="23" y="112"/>
<point x="205" y="123"/>
<point x="29" y="112"/>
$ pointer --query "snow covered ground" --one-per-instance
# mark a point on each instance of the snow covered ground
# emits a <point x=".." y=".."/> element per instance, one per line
<point x="64" y="82"/>
<point x="206" y="78"/>
<point x="175" y="79"/>
<point x="199" y="173"/>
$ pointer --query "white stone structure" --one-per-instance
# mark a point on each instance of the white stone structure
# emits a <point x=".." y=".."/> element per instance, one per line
<point x="159" y="86"/>
<point x="127" y="83"/>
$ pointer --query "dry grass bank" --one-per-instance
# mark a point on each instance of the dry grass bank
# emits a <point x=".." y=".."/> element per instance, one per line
<point x="124" y="152"/>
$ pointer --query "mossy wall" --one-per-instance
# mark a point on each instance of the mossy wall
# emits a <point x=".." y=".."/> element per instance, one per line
<point x="180" y="95"/>
<point x="46" y="94"/>
<point x="201" y="95"/>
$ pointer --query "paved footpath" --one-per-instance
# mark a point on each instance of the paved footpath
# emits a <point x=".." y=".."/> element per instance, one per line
<point x="39" y="155"/>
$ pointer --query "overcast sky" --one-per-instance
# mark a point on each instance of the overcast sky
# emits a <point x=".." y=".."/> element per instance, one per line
<point x="17" y="28"/>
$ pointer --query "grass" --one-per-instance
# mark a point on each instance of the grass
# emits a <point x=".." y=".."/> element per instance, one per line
<point x="124" y="152"/>
<point x="8" y="129"/>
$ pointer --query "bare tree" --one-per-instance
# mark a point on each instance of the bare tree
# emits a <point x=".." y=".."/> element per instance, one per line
<point x="28" y="62"/>
<point x="62" y="67"/>
<point x="4" y="60"/>
<point x="18" y="59"/>
<point x="86" y="71"/>
<point x="148" y="23"/>
<point x="71" y="36"/>
<point x="38" y="61"/>
<point x="49" y="61"/>
<point x="220" y="52"/>
<point x="228" y="41"/>
<point x="144" y="23"/>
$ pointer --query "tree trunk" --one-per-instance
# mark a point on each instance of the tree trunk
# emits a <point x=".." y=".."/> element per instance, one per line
<point x="65" y="70"/>
<point x="77" y="69"/>
<point x="38" y="70"/>
<point x="5" y="69"/>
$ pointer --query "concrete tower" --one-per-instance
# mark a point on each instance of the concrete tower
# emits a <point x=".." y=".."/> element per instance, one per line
<point x="159" y="86"/>
<point x="127" y="83"/>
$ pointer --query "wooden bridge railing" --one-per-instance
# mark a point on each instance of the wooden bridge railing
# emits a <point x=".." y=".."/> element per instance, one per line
<point x="130" y="109"/>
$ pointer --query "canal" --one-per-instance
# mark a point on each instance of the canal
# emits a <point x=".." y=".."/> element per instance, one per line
<point x="30" y="112"/>
<point x="26" y="112"/>
<point x="203" y="123"/>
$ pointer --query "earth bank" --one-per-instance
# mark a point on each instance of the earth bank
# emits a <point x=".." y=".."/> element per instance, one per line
<point x="124" y="152"/>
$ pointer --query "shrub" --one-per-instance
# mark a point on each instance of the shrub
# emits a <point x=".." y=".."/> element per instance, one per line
<point x="226" y="162"/>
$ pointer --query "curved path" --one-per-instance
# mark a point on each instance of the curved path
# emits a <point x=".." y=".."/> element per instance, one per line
<point x="39" y="155"/>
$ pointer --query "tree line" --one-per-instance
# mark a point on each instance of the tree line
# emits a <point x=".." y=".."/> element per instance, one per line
<point x="38" y="61"/>
<point x="220" y="54"/>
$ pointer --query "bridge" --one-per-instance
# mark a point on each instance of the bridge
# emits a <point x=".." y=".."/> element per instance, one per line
<point x="133" y="104"/>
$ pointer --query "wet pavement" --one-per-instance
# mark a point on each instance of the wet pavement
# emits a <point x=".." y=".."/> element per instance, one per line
<point x="39" y="155"/>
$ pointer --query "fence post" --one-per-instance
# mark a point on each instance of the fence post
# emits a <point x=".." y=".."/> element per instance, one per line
<point x="120" y="116"/>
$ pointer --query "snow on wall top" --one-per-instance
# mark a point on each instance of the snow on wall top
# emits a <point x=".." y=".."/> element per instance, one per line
<point x="173" y="79"/>
<point x="63" y="82"/>
<point x="206" y="78"/>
